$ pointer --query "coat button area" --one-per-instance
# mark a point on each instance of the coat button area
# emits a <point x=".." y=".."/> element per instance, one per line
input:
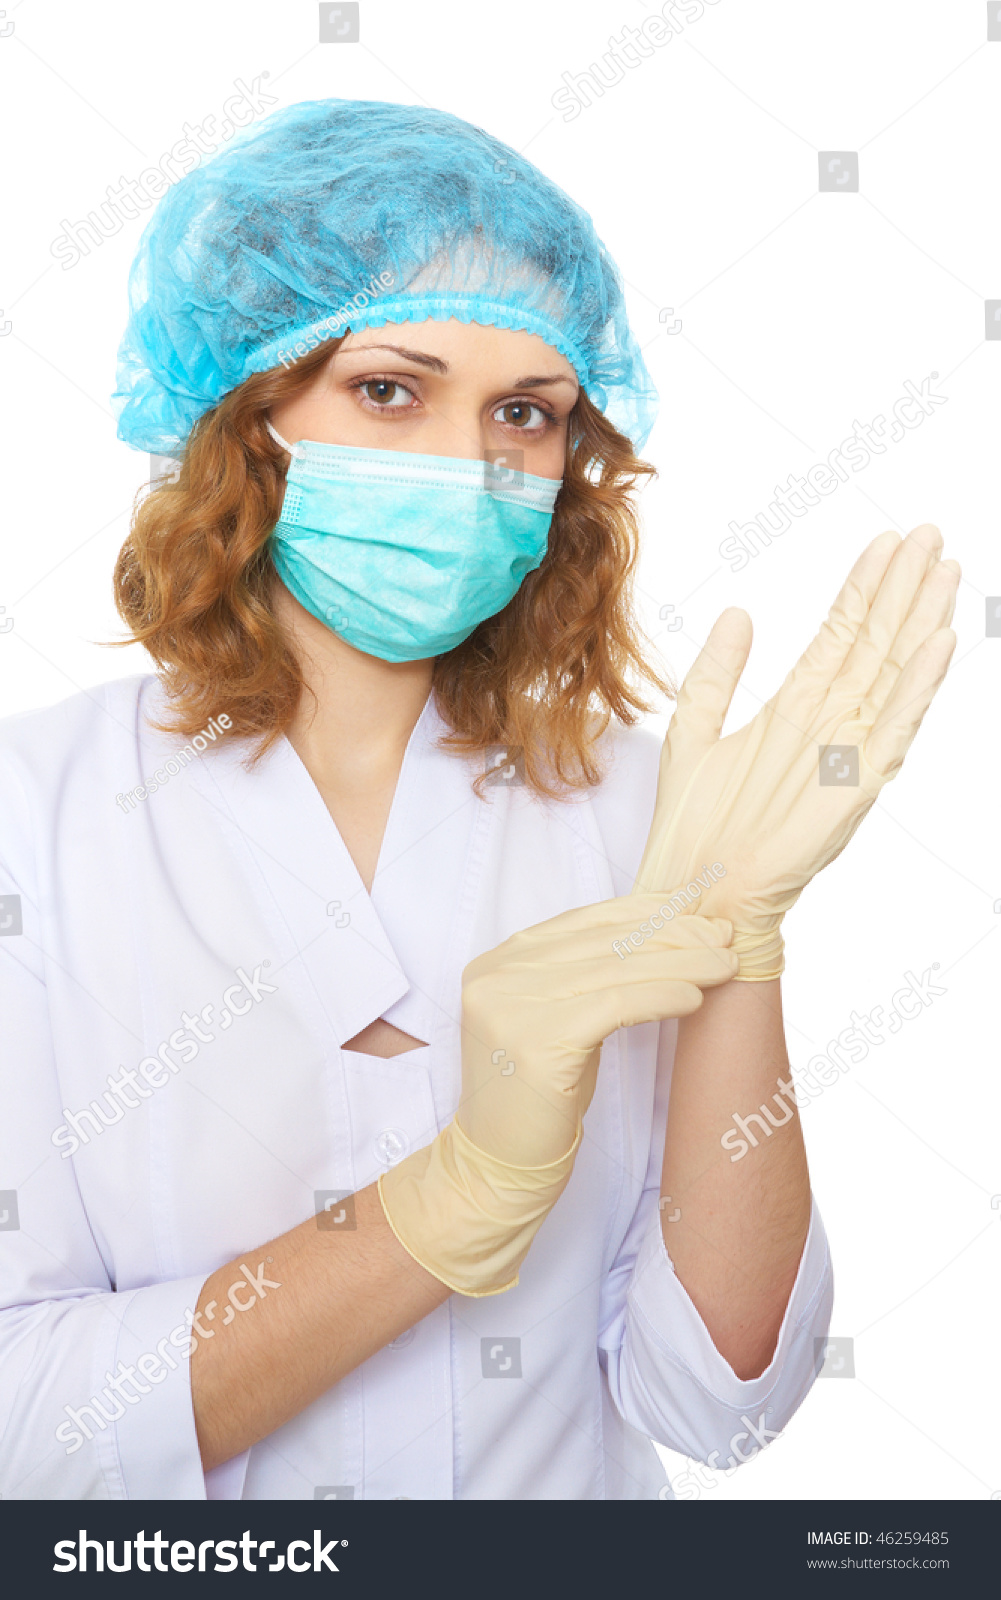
<point x="391" y="1146"/>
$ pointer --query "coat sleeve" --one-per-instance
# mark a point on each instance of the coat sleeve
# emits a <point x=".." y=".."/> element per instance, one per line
<point x="95" y="1397"/>
<point x="664" y="1373"/>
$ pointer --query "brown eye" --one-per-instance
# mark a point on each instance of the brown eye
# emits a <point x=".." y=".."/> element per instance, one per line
<point x="383" y="392"/>
<point x="520" y="414"/>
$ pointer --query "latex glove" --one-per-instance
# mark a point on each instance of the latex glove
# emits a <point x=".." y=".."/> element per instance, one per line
<point x="752" y="804"/>
<point x="534" y="1013"/>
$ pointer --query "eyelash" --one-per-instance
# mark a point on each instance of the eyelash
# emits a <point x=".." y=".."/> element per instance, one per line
<point x="359" y="384"/>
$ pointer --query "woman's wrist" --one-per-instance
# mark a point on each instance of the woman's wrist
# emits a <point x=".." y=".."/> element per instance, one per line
<point x="466" y="1217"/>
<point x="761" y="955"/>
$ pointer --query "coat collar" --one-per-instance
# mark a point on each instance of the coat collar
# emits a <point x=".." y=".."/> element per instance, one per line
<point x="361" y="953"/>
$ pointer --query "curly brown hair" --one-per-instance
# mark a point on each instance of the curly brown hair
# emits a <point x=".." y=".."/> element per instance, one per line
<point x="194" y="579"/>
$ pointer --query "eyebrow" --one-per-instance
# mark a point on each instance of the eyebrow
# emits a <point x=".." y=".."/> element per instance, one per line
<point x="422" y="360"/>
<point x="437" y="365"/>
<point x="537" y="383"/>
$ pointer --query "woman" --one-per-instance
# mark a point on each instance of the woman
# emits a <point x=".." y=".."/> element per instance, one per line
<point x="352" y="894"/>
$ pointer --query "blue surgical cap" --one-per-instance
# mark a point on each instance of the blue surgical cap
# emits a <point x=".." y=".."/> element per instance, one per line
<point x="332" y="214"/>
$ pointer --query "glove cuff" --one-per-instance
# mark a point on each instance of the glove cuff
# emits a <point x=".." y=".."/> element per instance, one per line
<point x="467" y="1218"/>
<point x="761" y="955"/>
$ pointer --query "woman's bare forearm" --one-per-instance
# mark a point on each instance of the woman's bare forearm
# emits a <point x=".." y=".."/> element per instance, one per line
<point x="333" y="1296"/>
<point x="738" y="1240"/>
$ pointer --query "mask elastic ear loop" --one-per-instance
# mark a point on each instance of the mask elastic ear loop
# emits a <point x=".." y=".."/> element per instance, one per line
<point x="293" y="449"/>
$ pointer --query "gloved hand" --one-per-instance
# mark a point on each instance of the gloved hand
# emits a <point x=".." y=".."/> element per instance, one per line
<point x="753" y="804"/>
<point x="534" y="1013"/>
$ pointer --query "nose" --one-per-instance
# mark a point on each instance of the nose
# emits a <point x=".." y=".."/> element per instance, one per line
<point x="456" y="428"/>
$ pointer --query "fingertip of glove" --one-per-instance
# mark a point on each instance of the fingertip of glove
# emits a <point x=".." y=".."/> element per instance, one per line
<point x="928" y="535"/>
<point x="735" y="623"/>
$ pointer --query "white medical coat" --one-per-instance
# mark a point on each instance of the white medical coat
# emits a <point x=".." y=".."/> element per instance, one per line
<point x="232" y="890"/>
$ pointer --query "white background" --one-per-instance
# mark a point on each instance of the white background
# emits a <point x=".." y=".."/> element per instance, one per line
<point x="800" y="313"/>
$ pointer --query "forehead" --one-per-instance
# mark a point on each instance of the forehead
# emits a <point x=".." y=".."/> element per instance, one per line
<point x="459" y="344"/>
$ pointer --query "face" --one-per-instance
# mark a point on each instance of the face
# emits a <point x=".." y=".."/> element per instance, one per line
<point x="440" y="389"/>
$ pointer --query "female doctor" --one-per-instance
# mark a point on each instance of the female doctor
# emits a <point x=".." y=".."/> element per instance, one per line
<point x="376" y="996"/>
